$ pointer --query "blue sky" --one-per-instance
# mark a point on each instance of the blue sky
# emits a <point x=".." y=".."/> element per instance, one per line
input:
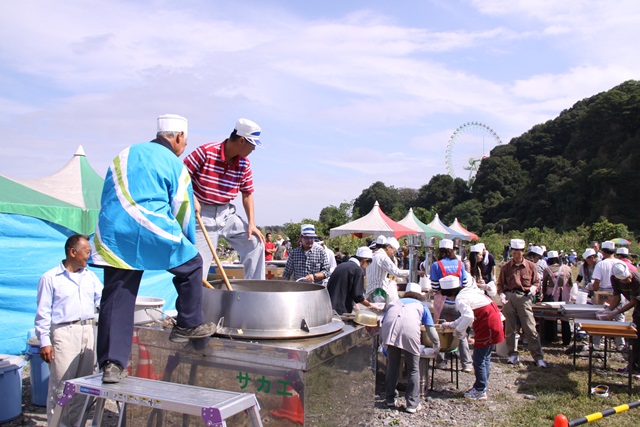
<point x="347" y="92"/>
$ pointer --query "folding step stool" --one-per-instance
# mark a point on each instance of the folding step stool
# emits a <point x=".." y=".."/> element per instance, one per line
<point x="214" y="406"/>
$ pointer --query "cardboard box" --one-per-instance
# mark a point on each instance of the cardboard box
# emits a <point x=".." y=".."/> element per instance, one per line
<point x="601" y="297"/>
<point x="232" y="272"/>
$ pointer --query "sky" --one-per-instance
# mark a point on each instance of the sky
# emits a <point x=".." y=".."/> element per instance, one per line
<point x="347" y="92"/>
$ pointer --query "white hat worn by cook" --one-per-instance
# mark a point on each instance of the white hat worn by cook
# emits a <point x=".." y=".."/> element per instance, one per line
<point x="364" y="252"/>
<point x="587" y="253"/>
<point x="552" y="254"/>
<point x="249" y="130"/>
<point x="308" y="230"/>
<point x="173" y="123"/>
<point x="446" y="244"/>
<point x="536" y="250"/>
<point x="381" y="240"/>
<point x="449" y="282"/>
<point x="609" y="245"/>
<point x="475" y="248"/>
<point x="517" y="244"/>
<point x="623" y="251"/>
<point x="480" y="247"/>
<point x="620" y="271"/>
<point x="413" y="287"/>
<point x="393" y="242"/>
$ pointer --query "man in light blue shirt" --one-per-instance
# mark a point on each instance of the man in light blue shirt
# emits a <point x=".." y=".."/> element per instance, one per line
<point x="65" y="318"/>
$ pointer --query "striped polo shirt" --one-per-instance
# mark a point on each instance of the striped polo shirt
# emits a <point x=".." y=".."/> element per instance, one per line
<point x="214" y="180"/>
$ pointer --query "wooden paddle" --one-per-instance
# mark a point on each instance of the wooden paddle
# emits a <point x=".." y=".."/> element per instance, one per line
<point x="215" y="255"/>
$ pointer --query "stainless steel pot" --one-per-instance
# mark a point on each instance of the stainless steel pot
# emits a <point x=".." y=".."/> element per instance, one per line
<point x="270" y="309"/>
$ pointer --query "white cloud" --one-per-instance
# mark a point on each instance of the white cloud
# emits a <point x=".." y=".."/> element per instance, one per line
<point x="339" y="99"/>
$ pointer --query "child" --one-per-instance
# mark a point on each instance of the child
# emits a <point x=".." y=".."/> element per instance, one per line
<point x="478" y="309"/>
<point x="401" y="336"/>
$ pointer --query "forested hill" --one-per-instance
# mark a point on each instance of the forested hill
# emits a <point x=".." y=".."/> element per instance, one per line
<point x="572" y="170"/>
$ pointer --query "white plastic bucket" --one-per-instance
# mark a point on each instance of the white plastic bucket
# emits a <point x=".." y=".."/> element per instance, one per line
<point x="140" y="314"/>
<point x="581" y="298"/>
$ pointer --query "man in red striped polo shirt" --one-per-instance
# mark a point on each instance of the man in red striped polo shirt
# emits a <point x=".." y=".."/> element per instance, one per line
<point x="219" y="171"/>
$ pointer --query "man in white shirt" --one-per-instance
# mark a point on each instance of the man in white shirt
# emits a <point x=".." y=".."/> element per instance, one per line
<point x="602" y="281"/>
<point x="381" y="265"/>
<point x="331" y="257"/>
<point x="68" y="296"/>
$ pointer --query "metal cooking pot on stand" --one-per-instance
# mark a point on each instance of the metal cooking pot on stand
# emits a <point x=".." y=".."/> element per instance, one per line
<point x="270" y="309"/>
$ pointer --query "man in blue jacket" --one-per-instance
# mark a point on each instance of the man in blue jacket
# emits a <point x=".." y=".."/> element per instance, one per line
<point x="147" y="222"/>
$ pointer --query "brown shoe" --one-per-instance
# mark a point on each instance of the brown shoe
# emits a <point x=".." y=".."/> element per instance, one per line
<point x="112" y="373"/>
<point x="179" y="334"/>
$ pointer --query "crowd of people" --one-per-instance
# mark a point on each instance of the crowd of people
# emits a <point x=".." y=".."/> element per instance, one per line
<point x="474" y="296"/>
<point x="161" y="213"/>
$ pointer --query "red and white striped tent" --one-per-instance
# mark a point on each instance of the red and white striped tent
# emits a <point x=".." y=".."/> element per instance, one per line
<point x="459" y="228"/>
<point x="374" y="223"/>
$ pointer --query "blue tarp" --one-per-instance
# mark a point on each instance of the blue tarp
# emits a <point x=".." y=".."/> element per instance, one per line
<point x="28" y="247"/>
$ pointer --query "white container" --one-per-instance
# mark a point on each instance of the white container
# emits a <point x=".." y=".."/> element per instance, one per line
<point x="502" y="350"/>
<point x="141" y="315"/>
<point x="581" y="297"/>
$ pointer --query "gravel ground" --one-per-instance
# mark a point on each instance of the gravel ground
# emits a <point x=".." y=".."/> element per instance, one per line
<point x="444" y="406"/>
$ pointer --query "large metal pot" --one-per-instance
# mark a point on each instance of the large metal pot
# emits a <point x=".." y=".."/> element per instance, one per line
<point x="448" y="341"/>
<point x="271" y="309"/>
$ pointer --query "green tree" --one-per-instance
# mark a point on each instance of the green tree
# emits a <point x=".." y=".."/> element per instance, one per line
<point x="387" y="198"/>
<point x="469" y="214"/>
<point x="332" y="216"/>
<point x="605" y="230"/>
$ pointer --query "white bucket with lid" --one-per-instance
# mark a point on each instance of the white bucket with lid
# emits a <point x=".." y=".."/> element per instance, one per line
<point x="147" y="309"/>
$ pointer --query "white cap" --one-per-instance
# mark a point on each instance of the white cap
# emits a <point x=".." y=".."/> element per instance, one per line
<point x="449" y="282"/>
<point x="620" y="271"/>
<point x="413" y="287"/>
<point x="173" y="123"/>
<point x="480" y="247"/>
<point x="588" y="252"/>
<point x="623" y="251"/>
<point x="381" y="240"/>
<point x="536" y="250"/>
<point x="308" y="230"/>
<point x="609" y="245"/>
<point x="475" y="248"/>
<point x="364" y="252"/>
<point x="249" y="130"/>
<point x="446" y="244"/>
<point x="552" y="254"/>
<point x="517" y="244"/>
<point x="393" y="242"/>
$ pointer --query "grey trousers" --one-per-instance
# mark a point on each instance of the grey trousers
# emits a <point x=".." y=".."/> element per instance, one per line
<point x="394" y="362"/>
<point x="450" y="313"/>
<point x="222" y="221"/>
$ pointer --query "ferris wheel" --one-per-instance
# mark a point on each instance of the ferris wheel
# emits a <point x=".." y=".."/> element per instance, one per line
<point x="468" y="145"/>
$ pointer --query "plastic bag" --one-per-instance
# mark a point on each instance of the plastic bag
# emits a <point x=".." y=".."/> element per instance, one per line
<point x="392" y="291"/>
<point x="573" y="294"/>
<point x="425" y="284"/>
<point x="379" y="295"/>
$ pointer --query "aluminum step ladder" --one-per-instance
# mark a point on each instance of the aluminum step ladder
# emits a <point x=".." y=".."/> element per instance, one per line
<point x="214" y="406"/>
